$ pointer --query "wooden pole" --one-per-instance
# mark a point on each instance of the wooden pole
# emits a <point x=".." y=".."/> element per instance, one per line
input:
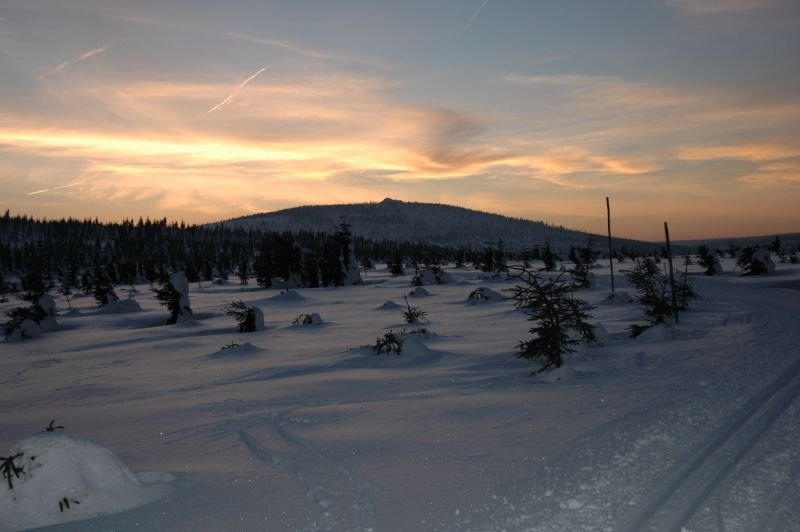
<point x="610" y="247"/>
<point x="671" y="273"/>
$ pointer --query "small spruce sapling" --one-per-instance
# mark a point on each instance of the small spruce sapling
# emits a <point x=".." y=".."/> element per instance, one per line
<point x="583" y="259"/>
<point x="557" y="317"/>
<point x="654" y="292"/>
<point x="413" y="314"/>
<point x="245" y="316"/>
<point x="9" y="469"/>
<point x="389" y="344"/>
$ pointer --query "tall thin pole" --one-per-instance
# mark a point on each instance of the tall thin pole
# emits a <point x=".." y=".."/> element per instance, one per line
<point x="610" y="247"/>
<point x="671" y="273"/>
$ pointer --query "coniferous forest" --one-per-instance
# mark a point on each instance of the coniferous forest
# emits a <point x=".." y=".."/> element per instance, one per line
<point x="83" y="253"/>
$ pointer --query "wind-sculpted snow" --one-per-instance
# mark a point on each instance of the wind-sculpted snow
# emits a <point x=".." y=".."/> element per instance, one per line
<point x="690" y="426"/>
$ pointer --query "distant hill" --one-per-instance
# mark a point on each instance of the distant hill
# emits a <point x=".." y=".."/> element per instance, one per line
<point x="431" y="223"/>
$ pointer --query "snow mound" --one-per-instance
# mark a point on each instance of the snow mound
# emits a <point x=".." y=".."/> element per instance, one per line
<point x="308" y="319"/>
<point x="419" y="292"/>
<point x="28" y="329"/>
<point x="120" y="306"/>
<point x="431" y="276"/>
<point x="389" y="305"/>
<point x="484" y="295"/>
<point x="662" y="332"/>
<point x="66" y="479"/>
<point x="600" y="335"/>
<point x="236" y="351"/>
<point x="288" y="296"/>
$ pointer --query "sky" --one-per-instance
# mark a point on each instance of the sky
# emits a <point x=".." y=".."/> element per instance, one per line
<point x="685" y="111"/>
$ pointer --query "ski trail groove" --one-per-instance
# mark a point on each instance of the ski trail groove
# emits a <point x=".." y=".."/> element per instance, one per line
<point x="684" y="491"/>
<point x="328" y="484"/>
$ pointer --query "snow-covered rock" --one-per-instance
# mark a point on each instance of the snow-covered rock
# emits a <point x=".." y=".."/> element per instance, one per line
<point x="65" y="479"/>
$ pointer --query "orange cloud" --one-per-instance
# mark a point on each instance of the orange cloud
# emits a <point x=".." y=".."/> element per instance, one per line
<point x="753" y="152"/>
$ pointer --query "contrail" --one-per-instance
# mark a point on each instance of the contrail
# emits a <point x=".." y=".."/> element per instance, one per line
<point x="76" y="183"/>
<point x="474" y="15"/>
<point x="228" y="99"/>
<point x="82" y="57"/>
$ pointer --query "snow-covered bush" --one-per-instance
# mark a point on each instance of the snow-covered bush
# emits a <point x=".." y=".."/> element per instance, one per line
<point x="560" y="320"/>
<point x="250" y="319"/>
<point x="708" y="260"/>
<point x="51" y="478"/>
<point x="308" y="319"/>
<point x="389" y="344"/>
<point x="483" y="294"/>
<point x="755" y="261"/>
<point x="432" y="274"/>
<point x="30" y="322"/>
<point x="175" y="296"/>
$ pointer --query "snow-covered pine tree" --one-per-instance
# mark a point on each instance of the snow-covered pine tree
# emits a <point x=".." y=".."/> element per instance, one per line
<point x="249" y="319"/>
<point x="755" y="261"/>
<point x="708" y="260"/>
<point x="174" y="295"/>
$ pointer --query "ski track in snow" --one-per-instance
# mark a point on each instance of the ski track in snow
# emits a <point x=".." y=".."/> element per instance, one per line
<point x="610" y="480"/>
<point x="342" y="499"/>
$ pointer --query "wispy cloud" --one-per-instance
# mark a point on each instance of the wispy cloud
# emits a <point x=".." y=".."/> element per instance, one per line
<point x="281" y="44"/>
<point x="229" y="98"/>
<point x="53" y="189"/>
<point x="704" y="7"/>
<point x="752" y="152"/>
<point x="472" y="18"/>
<point x="82" y="57"/>
<point x="300" y="50"/>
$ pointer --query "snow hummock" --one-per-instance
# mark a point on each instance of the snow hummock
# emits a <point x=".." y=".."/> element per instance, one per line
<point x="120" y="306"/>
<point x="66" y="479"/>
<point x="419" y="292"/>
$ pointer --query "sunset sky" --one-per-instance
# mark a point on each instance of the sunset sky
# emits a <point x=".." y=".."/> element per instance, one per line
<point x="685" y="111"/>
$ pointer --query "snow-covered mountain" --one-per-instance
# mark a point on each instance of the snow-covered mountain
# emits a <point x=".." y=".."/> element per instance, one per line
<point x="432" y="223"/>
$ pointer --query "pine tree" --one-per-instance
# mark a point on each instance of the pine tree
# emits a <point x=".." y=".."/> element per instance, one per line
<point x="548" y="257"/>
<point x="654" y="292"/>
<point x="262" y="266"/>
<point x="245" y="316"/>
<point x="3" y="289"/>
<point x="708" y="260"/>
<point x="556" y="314"/>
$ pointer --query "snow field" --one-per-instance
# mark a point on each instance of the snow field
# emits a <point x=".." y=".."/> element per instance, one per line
<point x="303" y="428"/>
